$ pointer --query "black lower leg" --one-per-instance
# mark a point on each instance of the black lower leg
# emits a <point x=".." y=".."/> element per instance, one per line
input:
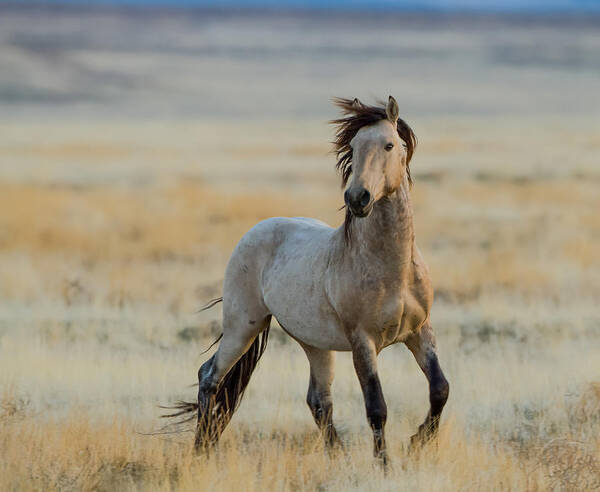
<point x="364" y="356"/>
<point x="438" y="395"/>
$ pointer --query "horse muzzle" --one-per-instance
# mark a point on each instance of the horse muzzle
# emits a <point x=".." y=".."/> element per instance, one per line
<point x="359" y="201"/>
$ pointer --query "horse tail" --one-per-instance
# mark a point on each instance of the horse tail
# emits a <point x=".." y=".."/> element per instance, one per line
<point x="231" y="389"/>
<point x="211" y="303"/>
<point x="225" y="401"/>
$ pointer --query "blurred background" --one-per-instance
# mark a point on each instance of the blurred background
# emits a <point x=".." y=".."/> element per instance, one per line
<point x="140" y="139"/>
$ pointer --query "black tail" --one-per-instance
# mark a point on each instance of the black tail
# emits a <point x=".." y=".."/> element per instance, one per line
<point x="228" y="396"/>
<point x="211" y="303"/>
<point x="231" y="390"/>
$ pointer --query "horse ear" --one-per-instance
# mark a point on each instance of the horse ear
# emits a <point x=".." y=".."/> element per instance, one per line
<point x="392" y="110"/>
<point x="356" y="104"/>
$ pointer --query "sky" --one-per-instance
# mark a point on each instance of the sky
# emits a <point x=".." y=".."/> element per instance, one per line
<point x="479" y="5"/>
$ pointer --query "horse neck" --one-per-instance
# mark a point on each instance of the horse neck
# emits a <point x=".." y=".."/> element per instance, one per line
<point x="388" y="231"/>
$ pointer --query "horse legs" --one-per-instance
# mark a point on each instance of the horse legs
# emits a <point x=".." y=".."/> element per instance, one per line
<point x="319" y="391"/>
<point x="364" y="356"/>
<point x="423" y="347"/>
<point x="223" y="378"/>
<point x="207" y="432"/>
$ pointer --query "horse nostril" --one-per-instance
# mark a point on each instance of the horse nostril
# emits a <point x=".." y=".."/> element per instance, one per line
<point x="346" y="197"/>
<point x="364" y="198"/>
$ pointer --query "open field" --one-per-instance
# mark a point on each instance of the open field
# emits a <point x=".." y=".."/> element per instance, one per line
<point x="100" y="282"/>
<point x="115" y="228"/>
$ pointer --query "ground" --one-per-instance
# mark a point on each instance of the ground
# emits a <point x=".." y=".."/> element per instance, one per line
<point x="115" y="229"/>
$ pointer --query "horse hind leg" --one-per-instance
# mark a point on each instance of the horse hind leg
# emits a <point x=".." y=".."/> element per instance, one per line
<point x="423" y="347"/>
<point x="224" y="377"/>
<point x="318" y="397"/>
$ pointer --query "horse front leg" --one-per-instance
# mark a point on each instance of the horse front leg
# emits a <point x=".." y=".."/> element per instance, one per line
<point x="364" y="356"/>
<point x="423" y="347"/>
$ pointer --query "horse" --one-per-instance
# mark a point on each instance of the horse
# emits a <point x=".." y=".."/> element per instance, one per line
<point x="359" y="288"/>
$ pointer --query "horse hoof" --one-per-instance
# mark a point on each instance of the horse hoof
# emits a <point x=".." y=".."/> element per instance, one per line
<point x="384" y="462"/>
<point x="419" y="440"/>
<point x="332" y="441"/>
<point x="335" y="448"/>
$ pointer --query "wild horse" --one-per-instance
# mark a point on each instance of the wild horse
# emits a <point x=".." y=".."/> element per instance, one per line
<point x="357" y="288"/>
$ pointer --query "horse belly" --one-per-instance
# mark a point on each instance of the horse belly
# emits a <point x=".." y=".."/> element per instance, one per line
<point x="302" y="310"/>
<point x="293" y="285"/>
<point x="321" y="333"/>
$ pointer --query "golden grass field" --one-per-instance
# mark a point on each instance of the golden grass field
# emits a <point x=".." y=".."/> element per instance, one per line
<point x="137" y="145"/>
<point x="113" y="233"/>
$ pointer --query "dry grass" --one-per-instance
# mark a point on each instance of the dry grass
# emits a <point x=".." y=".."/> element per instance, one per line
<point x="113" y="231"/>
<point x="78" y="452"/>
<point x="111" y="236"/>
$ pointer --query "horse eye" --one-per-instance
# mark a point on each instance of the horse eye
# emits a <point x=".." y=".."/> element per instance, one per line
<point x="389" y="147"/>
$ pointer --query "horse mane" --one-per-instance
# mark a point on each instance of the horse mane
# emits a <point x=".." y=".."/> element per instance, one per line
<point x="358" y="115"/>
